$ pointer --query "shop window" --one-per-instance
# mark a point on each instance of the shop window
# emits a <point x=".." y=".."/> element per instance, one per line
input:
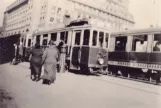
<point x="139" y="43"/>
<point x="54" y="36"/>
<point x="94" y="40"/>
<point x="120" y="43"/>
<point x="157" y="42"/>
<point x="101" y="38"/>
<point x="86" y="37"/>
<point x="77" y="38"/>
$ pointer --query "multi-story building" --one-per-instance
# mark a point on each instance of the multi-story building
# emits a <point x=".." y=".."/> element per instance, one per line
<point x="27" y="16"/>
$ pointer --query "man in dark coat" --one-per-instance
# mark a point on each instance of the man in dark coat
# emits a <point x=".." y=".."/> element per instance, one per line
<point x="35" y="62"/>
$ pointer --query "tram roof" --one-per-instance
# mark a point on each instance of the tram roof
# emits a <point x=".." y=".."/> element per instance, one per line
<point x="137" y="31"/>
<point x="72" y="28"/>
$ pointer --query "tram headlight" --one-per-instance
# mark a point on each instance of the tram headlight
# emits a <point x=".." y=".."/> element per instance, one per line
<point x="100" y="61"/>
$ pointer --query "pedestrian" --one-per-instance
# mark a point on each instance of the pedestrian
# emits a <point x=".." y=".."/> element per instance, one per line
<point x="21" y="52"/>
<point x="49" y="60"/>
<point x="12" y="54"/>
<point x="35" y="62"/>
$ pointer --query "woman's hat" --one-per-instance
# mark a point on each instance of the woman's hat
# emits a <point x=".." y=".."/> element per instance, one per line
<point x="51" y="42"/>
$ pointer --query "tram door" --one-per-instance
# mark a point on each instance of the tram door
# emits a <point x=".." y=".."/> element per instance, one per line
<point x="76" y="49"/>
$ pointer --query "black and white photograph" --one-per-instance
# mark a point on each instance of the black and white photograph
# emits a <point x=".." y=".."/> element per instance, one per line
<point x="80" y="54"/>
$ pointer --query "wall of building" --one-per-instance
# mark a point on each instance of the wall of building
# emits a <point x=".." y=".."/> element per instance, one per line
<point x="28" y="16"/>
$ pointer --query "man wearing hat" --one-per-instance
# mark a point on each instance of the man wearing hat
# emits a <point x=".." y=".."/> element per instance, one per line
<point x="49" y="60"/>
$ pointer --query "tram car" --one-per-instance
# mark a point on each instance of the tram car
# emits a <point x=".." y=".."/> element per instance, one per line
<point x="136" y="53"/>
<point x="86" y="46"/>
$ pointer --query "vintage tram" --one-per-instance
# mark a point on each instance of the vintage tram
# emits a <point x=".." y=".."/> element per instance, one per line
<point x="86" y="49"/>
<point x="133" y="53"/>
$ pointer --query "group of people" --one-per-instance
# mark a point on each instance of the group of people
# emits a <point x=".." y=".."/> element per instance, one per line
<point x="47" y="58"/>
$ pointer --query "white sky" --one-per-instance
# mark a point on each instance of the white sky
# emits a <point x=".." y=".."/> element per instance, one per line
<point x="144" y="11"/>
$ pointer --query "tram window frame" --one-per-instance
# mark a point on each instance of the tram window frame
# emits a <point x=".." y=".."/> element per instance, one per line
<point x="54" y="35"/>
<point x="121" y="48"/>
<point x="94" y="38"/>
<point x="101" y="39"/>
<point x="142" y="45"/>
<point x="86" y="37"/>
<point x="106" y="39"/>
<point x="156" y="39"/>
<point x="77" y="40"/>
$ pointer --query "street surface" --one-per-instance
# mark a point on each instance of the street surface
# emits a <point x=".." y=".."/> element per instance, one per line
<point x="77" y="91"/>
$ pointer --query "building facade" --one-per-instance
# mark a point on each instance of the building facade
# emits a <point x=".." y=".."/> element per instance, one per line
<point x="25" y="17"/>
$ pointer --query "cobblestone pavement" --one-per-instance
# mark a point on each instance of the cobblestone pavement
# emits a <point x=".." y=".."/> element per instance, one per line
<point x="77" y="91"/>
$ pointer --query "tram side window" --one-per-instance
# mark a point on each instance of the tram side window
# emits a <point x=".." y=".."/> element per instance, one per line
<point x="53" y="36"/>
<point x="94" y="40"/>
<point x="77" y="38"/>
<point x="106" y="40"/>
<point x="86" y="37"/>
<point x="101" y="37"/>
<point x="120" y="43"/>
<point x="157" y="42"/>
<point x="139" y="43"/>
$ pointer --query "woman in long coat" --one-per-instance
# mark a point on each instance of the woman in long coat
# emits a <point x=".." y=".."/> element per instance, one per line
<point x="49" y="59"/>
<point x="35" y="62"/>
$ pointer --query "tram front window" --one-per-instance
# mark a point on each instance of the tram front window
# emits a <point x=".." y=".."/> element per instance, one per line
<point x="157" y="42"/>
<point x="86" y="37"/>
<point x="120" y="44"/>
<point x="101" y="37"/>
<point x="106" y="40"/>
<point x="29" y="42"/>
<point x="139" y="43"/>
<point x="94" y="40"/>
<point x="53" y="36"/>
<point x="77" y="38"/>
<point x="62" y="36"/>
<point x="66" y="37"/>
<point x="38" y="39"/>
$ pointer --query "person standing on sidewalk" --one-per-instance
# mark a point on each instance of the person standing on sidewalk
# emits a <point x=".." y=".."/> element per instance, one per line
<point x="49" y="60"/>
<point x="35" y="62"/>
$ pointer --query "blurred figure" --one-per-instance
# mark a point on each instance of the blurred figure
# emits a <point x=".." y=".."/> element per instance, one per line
<point x="21" y="52"/>
<point x="49" y="60"/>
<point x="35" y="62"/>
<point x="157" y="46"/>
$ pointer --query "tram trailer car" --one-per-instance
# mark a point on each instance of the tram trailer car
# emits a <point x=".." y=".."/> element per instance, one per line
<point x="136" y="53"/>
<point x="86" y="49"/>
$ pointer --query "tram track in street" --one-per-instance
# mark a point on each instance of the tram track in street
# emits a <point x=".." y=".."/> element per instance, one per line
<point x="130" y="85"/>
